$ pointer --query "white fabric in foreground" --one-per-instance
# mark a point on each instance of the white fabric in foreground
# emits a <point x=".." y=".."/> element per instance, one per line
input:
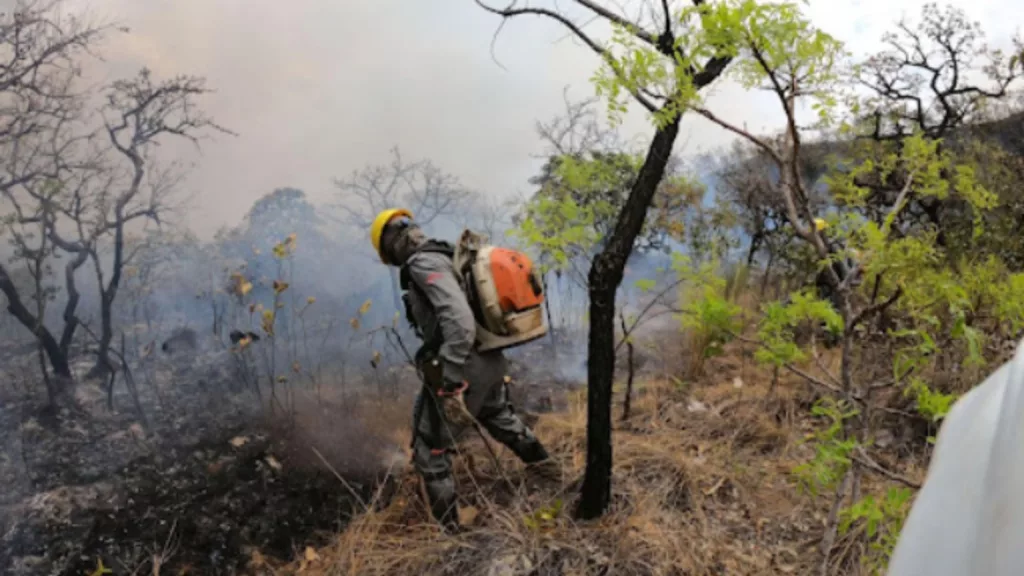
<point x="968" y="519"/>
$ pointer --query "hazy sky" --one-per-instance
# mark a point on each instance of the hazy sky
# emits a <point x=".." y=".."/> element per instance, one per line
<point x="317" y="88"/>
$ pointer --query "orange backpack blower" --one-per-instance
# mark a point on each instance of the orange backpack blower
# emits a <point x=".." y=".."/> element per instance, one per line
<point x="505" y="291"/>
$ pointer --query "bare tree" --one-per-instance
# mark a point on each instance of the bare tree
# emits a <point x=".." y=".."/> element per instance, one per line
<point x="577" y="130"/>
<point x="421" y="187"/>
<point x="486" y="214"/>
<point x="39" y="110"/>
<point x="933" y="78"/>
<point x="663" y="100"/>
<point x="139" y="114"/>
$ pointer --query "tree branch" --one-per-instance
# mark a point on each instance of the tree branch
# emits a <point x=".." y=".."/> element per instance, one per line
<point x="862" y="458"/>
<point x="511" y="11"/>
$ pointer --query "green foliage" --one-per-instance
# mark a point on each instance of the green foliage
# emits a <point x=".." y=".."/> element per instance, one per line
<point x="910" y="216"/>
<point x="930" y="404"/>
<point x="882" y="519"/>
<point x="784" y="46"/>
<point x="558" y="229"/>
<point x="706" y="311"/>
<point x="545" y="518"/>
<point x="578" y="204"/>
<point x="779" y="322"/>
<point x="646" y="284"/>
<point x="710" y="30"/>
<point x="832" y="448"/>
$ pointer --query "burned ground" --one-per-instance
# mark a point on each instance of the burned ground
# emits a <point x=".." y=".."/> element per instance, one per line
<point x="204" y="485"/>
<point x="206" y="482"/>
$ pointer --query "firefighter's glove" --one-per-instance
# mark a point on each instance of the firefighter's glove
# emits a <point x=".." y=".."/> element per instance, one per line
<point x="449" y="393"/>
<point x="453" y="405"/>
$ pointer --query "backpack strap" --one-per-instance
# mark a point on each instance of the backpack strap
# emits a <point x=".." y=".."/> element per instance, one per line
<point x="431" y="342"/>
<point x="436" y="246"/>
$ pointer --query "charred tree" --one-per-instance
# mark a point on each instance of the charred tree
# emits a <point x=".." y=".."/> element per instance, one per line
<point x="39" y="60"/>
<point x="140" y="113"/>
<point x="604" y="279"/>
<point x="58" y="361"/>
<point x="608" y="266"/>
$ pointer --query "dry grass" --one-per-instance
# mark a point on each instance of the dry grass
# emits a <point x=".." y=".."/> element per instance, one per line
<point x="701" y="484"/>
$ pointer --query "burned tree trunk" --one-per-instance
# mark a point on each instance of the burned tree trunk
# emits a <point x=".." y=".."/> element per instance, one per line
<point x="70" y="320"/>
<point x="58" y="361"/>
<point x="108" y="291"/>
<point x="604" y="279"/>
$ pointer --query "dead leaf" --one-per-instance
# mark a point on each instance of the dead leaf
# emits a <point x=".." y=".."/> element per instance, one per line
<point x="239" y="441"/>
<point x="256" y="560"/>
<point x="365" y="307"/>
<point x="273" y="462"/>
<point x="711" y="491"/>
<point x="311" y="555"/>
<point x="468" y="515"/>
<point x="100" y="569"/>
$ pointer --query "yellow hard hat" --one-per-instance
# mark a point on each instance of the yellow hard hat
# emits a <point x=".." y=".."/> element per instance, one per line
<point x="820" y="224"/>
<point x="382" y="220"/>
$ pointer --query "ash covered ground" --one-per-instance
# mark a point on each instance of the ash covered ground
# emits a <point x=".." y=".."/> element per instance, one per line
<point x="203" y="485"/>
<point x="204" y="481"/>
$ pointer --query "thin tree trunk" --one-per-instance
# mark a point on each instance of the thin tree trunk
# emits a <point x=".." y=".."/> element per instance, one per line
<point x="58" y="361"/>
<point x="767" y="272"/>
<point x="129" y="382"/>
<point x="604" y="279"/>
<point x="627" y="402"/>
<point x="551" y="325"/>
<point x="108" y="293"/>
<point x="103" y="365"/>
<point x="755" y="245"/>
<point x="70" y="320"/>
<point x="51" y="390"/>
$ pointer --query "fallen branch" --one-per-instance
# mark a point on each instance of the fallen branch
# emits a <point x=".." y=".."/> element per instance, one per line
<point x="862" y="458"/>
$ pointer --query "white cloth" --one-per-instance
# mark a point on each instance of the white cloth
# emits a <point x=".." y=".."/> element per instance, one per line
<point x="968" y="518"/>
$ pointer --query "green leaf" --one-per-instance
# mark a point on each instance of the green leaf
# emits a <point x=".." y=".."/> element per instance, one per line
<point x="646" y="285"/>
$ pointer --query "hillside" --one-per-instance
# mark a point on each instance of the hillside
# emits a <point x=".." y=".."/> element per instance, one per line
<point x="703" y="484"/>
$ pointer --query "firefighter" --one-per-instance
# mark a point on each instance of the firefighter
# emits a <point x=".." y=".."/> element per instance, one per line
<point x="460" y="382"/>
